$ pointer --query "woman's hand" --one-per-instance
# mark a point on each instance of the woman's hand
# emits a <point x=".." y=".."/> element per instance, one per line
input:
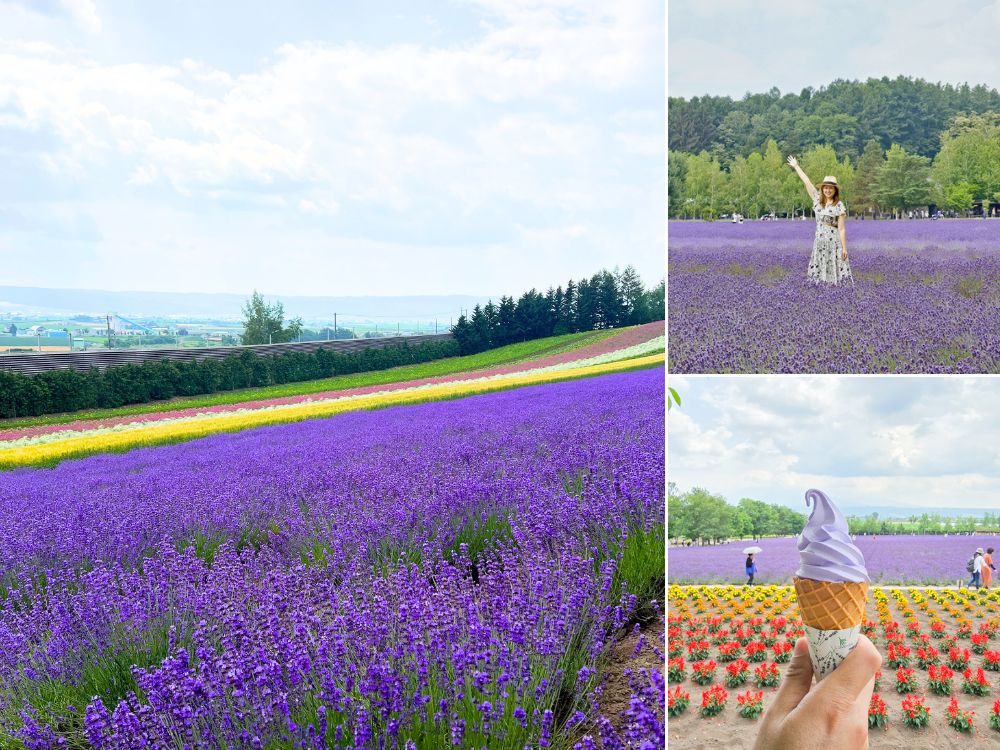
<point x="793" y="162"/>
<point x="833" y="713"/>
<point x="844" y="254"/>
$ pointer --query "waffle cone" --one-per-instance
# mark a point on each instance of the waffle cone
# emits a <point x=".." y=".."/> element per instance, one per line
<point x="831" y="606"/>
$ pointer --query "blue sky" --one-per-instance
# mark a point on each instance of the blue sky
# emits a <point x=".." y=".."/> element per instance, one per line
<point x="730" y="47"/>
<point x="477" y="146"/>
<point x="929" y="442"/>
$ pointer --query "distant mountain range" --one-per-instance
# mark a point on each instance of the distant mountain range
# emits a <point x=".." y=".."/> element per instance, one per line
<point x="41" y="301"/>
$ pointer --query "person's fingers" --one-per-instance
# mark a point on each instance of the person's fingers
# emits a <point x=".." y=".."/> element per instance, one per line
<point x="842" y="687"/>
<point x="797" y="681"/>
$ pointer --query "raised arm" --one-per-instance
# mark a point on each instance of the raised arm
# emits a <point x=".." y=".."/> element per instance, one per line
<point x="810" y="188"/>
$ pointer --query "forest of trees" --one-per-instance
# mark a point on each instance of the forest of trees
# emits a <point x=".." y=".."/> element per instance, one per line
<point x="893" y="145"/>
<point x="606" y="300"/>
<point x="700" y="516"/>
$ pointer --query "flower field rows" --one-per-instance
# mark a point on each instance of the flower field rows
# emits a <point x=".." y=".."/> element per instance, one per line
<point x="431" y="575"/>
<point x="82" y="439"/>
<point x="926" y="299"/>
<point x="729" y="646"/>
<point x="559" y="350"/>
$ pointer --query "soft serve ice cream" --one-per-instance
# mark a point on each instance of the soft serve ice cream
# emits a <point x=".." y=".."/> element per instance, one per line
<point x="831" y="585"/>
<point x="826" y="552"/>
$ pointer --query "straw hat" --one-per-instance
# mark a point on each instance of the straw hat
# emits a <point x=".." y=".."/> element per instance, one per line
<point x="829" y="180"/>
<point x="979" y="550"/>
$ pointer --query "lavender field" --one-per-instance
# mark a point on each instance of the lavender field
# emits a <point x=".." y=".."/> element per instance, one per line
<point x="911" y="559"/>
<point x="926" y="299"/>
<point x="439" y="575"/>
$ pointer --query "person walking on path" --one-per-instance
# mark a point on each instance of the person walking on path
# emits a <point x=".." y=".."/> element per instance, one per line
<point x="987" y="572"/>
<point x="977" y="568"/>
<point x="751" y="569"/>
<point x="828" y="263"/>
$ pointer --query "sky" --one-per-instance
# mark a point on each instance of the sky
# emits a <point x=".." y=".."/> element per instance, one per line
<point x="929" y="442"/>
<point x="466" y="147"/>
<point x="731" y="47"/>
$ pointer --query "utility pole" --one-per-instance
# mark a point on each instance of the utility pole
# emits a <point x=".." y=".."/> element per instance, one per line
<point x="435" y="326"/>
<point x="335" y="325"/>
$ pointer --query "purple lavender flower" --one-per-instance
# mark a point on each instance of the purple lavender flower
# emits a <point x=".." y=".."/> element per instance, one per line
<point x="924" y="301"/>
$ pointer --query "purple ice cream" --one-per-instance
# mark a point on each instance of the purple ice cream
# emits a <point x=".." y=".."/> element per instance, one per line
<point x="826" y="551"/>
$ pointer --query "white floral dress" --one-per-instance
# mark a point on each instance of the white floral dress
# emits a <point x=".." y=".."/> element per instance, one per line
<point x="827" y="263"/>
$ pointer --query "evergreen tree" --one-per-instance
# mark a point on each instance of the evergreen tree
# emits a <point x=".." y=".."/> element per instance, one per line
<point x="506" y="321"/>
<point x="566" y="322"/>
<point x="631" y="295"/>
<point x="463" y="334"/>
<point x="608" y="301"/>
<point x="586" y="306"/>
<point x="480" y="330"/>
<point x="531" y="316"/>
<point x="492" y="316"/>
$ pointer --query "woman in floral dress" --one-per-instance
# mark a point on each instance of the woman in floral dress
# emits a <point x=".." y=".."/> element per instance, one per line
<point x="828" y="262"/>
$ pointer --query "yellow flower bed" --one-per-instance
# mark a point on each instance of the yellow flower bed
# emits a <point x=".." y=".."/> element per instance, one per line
<point x="156" y="434"/>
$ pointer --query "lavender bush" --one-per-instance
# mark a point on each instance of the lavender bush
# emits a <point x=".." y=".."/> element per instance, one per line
<point x="927" y="299"/>
<point x="430" y="576"/>
<point x="904" y="558"/>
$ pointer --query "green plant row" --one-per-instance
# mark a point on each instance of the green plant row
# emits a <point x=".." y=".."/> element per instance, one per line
<point x="16" y="395"/>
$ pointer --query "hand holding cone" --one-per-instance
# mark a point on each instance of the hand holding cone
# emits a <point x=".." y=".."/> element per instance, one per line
<point x="831" y="585"/>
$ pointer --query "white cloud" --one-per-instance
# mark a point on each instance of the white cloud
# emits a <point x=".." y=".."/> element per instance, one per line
<point x="873" y="440"/>
<point x="84" y="13"/>
<point x="527" y="144"/>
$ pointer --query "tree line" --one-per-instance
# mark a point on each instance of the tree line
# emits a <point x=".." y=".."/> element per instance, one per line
<point x="700" y="516"/>
<point x="951" y="160"/>
<point x="70" y="390"/>
<point x="925" y="523"/>
<point x="965" y="171"/>
<point x="606" y="300"/>
<point x="845" y="115"/>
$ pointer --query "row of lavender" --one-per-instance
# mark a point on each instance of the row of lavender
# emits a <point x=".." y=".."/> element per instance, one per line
<point x="445" y="574"/>
<point x="926" y="299"/>
<point x="894" y="559"/>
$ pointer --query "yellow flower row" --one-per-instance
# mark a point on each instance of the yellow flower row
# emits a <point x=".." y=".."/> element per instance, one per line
<point x="180" y="430"/>
<point x="731" y="602"/>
